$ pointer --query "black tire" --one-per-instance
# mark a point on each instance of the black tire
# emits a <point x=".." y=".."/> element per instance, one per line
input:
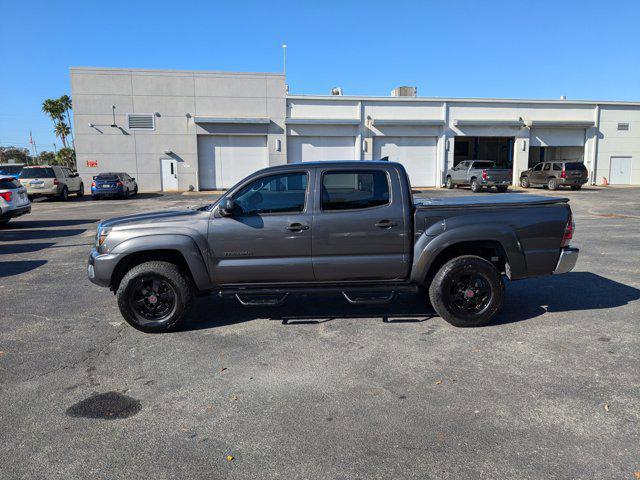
<point x="502" y="188"/>
<point x="95" y="197"/>
<point x="552" y="184"/>
<point x="173" y="285"/>
<point x="481" y="278"/>
<point x="4" y="222"/>
<point x="64" y="194"/>
<point x="576" y="187"/>
<point x="475" y="185"/>
<point x="135" y="190"/>
<point x="524" y="182"/>
<point x="449" y="183"/>
<point x="125" y="195"/>
<point x="30" y="197"/>
<point x="81" y="191"/>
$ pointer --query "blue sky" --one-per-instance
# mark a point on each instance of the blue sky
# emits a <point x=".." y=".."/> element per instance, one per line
<point x="538" y="49"/>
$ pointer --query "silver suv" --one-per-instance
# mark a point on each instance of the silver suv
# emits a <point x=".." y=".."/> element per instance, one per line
<point x="13" y="200"/>
<point x="51" y="181"/>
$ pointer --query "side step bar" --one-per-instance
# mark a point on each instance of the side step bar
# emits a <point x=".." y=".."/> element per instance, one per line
<point x="368" y="298"/>
<point x="261" y="300"/>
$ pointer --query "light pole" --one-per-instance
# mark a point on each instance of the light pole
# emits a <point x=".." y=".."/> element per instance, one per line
<point x="284" y="54"/>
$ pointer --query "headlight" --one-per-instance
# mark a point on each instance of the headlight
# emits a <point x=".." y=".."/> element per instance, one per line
<point x="101" y="235"/>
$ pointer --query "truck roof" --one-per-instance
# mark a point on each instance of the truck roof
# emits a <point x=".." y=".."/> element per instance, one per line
<point x="336" y="163"/>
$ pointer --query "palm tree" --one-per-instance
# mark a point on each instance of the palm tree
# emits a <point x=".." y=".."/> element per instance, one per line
<point x="54" y="109"/>
<point x="65" y="104"/>
<point x="62" y="130"/>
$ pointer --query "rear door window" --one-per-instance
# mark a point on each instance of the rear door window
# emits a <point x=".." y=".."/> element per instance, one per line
<point x="547" y="167"/>
<point x="557" y="167"/>
<point x="8" y="184"/>
<point x="354" y="190"/>
<point x="36" y="172"/>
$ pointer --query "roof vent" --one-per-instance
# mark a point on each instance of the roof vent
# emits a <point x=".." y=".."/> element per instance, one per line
<point x="140" y="121"/>
<point x="336" y="91"/>
<point x="405" y="92"/>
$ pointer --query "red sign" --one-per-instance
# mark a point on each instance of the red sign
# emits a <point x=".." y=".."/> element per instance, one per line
<point x="92" y="163"/>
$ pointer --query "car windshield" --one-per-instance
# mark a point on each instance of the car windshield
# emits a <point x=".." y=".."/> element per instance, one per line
<point x="8" y="184"/>
<point x="37" y="172"/>
<point x="107" y="176"/>
<point x="575" y="166"/>
<point x="10" y="169"/>
<point x="483" y="164"/>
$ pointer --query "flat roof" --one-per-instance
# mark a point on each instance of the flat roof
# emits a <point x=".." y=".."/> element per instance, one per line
<point x="169" y="71"/>
<point x="355" y="98"/>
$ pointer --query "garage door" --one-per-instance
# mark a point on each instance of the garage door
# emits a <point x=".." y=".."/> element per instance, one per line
<point x="312" y="149"/>
<point x="416" y="154"/>
<point x="557" y="137"/>
<point x="225" y="160"/>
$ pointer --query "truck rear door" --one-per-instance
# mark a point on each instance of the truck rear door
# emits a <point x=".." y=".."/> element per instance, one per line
<point x="361" y="225"/>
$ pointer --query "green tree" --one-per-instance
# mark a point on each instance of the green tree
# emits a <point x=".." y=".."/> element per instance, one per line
<point x="67" y="157"/>
<point x="62" y="130"/>
<point x="46" y="158"/>
<point x="66" y="105"/>
<point x="14" y="154"/>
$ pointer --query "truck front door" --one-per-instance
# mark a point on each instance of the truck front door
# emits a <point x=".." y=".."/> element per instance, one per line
<point x="360" y="231"/>
<point x="267" y="238"/>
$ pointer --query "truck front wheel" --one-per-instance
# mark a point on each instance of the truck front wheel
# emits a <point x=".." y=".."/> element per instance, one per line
<point x="154" y="296"/>
<point x="467" y="291"/>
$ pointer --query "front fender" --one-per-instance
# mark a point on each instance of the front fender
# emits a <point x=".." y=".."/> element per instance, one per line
<point x="180" y="243"/>
<point x="428" y="247"/>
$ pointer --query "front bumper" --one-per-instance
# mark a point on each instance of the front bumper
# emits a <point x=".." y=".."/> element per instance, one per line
<point x="15" y="212"/>
<point x="100" y="267"/>
<point x="567" y="260"/>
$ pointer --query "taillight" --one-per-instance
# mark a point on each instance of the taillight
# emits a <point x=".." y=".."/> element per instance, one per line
<point x="56" y="181"/>
<point x="568" y="231"/>
<point x="119" y="184"/>
<point x="563" y="174"/>
<point x="484" y="175"/>
<point x="6" y="196"/>
<point x="93" y="184"/>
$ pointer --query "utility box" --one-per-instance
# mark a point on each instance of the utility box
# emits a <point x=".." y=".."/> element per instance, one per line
<point x="404" y="92"/>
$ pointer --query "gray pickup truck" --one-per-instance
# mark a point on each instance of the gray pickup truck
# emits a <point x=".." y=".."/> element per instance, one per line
<point x="350" y="228"/>
<point x="479" y="174"/>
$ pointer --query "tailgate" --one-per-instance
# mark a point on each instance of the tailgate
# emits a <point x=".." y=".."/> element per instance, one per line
<point x="499" y="174"/>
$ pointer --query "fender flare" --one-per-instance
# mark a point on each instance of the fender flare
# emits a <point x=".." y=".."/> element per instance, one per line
<point x="183" y="244"/>
<point x="428" y="247"/>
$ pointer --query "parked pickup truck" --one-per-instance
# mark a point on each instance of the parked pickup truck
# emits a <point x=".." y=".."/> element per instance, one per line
<point x="344" y="227"/>
<point x="479" y="174"/>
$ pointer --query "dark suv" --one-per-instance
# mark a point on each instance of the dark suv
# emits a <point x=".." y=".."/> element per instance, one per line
<point x="555" y="174"/>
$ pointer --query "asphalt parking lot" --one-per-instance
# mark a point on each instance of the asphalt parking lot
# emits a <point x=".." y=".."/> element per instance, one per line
<point x="318" y="388"/>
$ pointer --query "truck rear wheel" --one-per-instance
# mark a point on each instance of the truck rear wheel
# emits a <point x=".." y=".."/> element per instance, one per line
<point x="154" y="296"/>
<point x="467" y="291"/>
<point x="475" y="185"/>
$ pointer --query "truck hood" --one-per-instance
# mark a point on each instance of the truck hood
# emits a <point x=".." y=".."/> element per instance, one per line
<point x="154" y="218"/>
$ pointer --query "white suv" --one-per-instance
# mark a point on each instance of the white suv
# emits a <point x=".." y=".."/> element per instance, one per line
<point x="13" y="200"/>
<point x="51" y="181"/>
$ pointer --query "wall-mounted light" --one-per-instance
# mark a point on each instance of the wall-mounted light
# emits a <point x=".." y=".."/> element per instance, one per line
<point x="278" y="145"/>
<point x="167" y="152"/>
<point x="364" y="145"/>
<point x="91" y="125"/>
<point x="113" y="112"/>
<point x="524" y="145"/>
<point x="446" y="145"/>
<point x="157" y="114"/>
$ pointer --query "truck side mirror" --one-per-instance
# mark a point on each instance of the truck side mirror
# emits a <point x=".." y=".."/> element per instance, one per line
<point x="227" y="207"/>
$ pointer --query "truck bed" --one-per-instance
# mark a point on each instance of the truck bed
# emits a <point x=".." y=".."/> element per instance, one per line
<point x="503" y="200"/>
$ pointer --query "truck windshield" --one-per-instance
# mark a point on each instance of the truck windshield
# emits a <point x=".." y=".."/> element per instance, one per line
<point x="10" y="169"/>
<point x="483" y="164"/>
<point x="37" y="172"/>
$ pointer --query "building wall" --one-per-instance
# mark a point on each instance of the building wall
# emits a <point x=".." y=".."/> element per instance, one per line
<point x="176" y="98"/>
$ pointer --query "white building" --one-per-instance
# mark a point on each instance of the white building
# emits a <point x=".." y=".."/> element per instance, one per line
<point x="180" y="130"/>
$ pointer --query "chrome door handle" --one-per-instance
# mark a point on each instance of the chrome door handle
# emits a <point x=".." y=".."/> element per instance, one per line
<point x="297" y="227"/>
<point x="386" y="224"/>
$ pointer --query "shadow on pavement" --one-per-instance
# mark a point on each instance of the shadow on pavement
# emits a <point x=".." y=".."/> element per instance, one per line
<point x="6" y="249"/>
<point x="574" y="291"/>
<point x="526" y="299"/>
<point x="8" y="269"/>
<point x="20" y="224"/>
<point x="16" y="235"/>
